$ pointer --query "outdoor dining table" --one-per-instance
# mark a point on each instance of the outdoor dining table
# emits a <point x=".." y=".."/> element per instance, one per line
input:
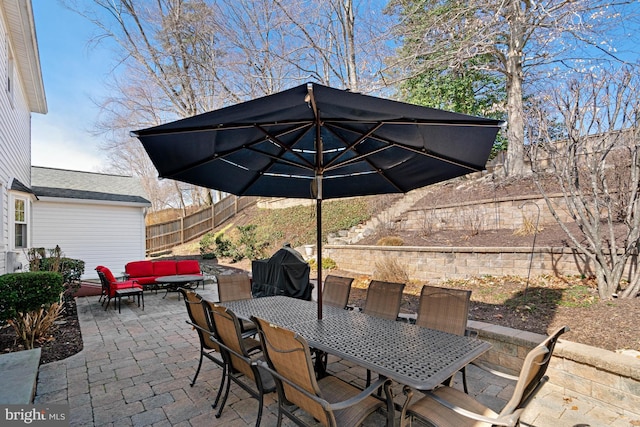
<point x="411" y="355"/>
<point x="172" y="283"/>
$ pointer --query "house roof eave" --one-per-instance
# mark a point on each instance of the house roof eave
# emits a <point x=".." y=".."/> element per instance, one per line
<point x="22" y="31"/>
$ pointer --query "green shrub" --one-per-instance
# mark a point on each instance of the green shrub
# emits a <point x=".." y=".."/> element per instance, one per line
<point x="30" y="291"/>
<point x="248" y="245"/>
<point x="244" y="243"/>
<point x="71" y="270"/>
<point x="208" y="246"/>
<point x="31" y="303"/>
<point x="224" y="247"/>
<point x="327" y="264"/>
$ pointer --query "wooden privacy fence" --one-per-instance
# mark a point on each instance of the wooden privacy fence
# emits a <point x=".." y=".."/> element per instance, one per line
<point x="172" y="233"/>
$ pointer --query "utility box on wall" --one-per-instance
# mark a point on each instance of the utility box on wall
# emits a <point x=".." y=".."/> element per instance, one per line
<point x="12" y="263"/>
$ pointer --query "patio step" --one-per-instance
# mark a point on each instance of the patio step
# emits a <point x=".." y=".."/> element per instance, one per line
<point x="19" y="373"/>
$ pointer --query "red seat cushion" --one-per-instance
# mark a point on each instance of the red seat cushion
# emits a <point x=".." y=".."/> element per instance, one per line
<point x="144" y="280"/>
<point x="139" y="269"/>
<point x="113" y="287"/>
<point x="188" y="266"/>
<point x="164" y="268"/>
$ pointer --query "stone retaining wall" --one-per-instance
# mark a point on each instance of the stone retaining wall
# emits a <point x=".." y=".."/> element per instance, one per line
<point x="504" y="213"/>
<point x="442" y="263"/>
<point x="609" y="379"/>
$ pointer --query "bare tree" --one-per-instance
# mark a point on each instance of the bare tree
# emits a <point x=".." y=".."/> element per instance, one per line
<point x="183" y="57"/>
<point x="518" y="37"/>
<point x="597" y="168"/>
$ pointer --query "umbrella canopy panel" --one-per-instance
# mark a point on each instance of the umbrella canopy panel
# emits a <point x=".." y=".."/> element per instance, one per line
<point x="360" y="145"/>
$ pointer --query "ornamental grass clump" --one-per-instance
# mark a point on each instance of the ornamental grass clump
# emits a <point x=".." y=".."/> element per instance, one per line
<point x="390" y="270"/>
<point x="390" y="241"/>
<point x="31" y="303"/>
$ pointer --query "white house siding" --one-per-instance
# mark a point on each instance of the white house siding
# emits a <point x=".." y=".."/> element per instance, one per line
<point x="97" y="233"/>
<point x="15" y="132"/>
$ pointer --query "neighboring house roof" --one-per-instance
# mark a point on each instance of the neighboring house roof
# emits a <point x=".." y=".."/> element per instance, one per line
<point x="16" y="185"/>
<point x="67" y="184"/>
<point x="21" y="29"/>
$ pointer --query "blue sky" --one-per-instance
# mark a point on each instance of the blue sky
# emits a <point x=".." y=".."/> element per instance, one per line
<point x="73" y="73"/>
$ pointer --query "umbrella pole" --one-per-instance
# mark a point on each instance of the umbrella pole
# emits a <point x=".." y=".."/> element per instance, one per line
<point x="319" y="253"/>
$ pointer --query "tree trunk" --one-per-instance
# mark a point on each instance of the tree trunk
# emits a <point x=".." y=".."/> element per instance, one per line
<point x="349" y="21"/>
<point x="514" y="164"/>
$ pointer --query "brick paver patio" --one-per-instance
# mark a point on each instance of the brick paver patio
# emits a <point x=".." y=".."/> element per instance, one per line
<point x="136" y="367"/>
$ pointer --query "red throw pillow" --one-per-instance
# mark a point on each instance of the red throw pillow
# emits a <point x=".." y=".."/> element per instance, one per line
<point x="188" y="266"/>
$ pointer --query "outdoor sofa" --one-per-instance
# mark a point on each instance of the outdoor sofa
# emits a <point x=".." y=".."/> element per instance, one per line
<point x="147" y="272"/>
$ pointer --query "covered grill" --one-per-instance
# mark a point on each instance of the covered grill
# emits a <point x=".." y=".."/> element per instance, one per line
<point x="285" y="273"/>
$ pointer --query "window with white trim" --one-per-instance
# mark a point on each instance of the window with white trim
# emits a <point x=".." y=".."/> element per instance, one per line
<point x="10" y="83"/>
<point x="20" y="222"/>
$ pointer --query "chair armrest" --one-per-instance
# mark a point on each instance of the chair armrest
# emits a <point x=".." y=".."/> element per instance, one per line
<point x="360" y="396"/>
<point x="502" y="420"/>
<point x="206" y="331"/>
<point x="326" y="405"/>
<point x="261" y="363"/>
<point x="493" y="371"/>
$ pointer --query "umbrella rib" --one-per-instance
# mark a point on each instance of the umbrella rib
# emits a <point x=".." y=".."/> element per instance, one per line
<point x="390" y="144"/>
<point x="349" y="147"/>
<point x="276" y="140"/>
<point x="429" y="153"/>
<point x="277" y="159"/>
<point x="248" y="146"/>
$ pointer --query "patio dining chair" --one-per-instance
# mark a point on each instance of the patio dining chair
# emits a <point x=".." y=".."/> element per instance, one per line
<point x="336" y="290"/>
<point x="329" y="400"/>
<point x="383" y="300"/>
<point x="233" y="287"/>
<point x="240" y="360"/>
<point x="447" y="406"/>
<point x="447" y="310"/>
<point x="208" y="347"/>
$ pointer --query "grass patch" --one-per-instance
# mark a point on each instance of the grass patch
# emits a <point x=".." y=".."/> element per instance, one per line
<point x="578" y="296"/>
<point x="297" y="224"/>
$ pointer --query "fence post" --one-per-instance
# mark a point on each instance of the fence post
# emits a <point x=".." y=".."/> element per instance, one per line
<point x="181" y="230"/>
<point x="213" y="215"/>
<point x="235" y="205"/>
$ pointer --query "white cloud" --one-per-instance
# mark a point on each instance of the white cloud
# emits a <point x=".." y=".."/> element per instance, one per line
<point x="62" y="145"/>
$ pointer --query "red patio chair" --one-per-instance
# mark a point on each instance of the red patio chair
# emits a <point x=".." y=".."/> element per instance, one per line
<point x="110" y="285"/>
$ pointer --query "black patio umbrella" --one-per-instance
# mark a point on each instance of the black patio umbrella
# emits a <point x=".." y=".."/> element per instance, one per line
<point x="318" y="142"/>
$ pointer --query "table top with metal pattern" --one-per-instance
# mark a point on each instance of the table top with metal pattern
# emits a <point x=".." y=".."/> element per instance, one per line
<point x="280" y="310"/>
<point x="412" y="355"/>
